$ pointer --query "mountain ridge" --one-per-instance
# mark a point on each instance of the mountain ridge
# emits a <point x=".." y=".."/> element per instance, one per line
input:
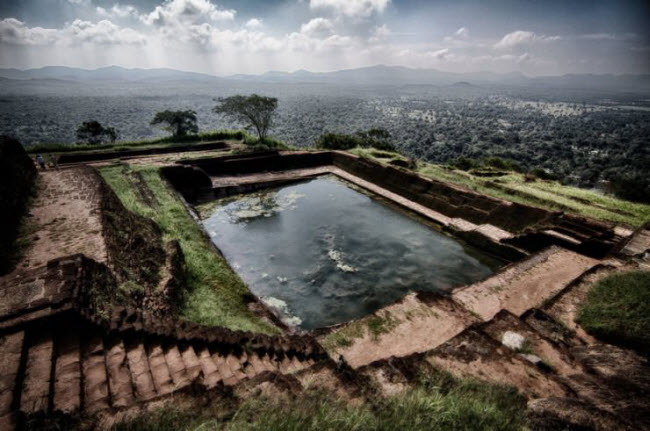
<point x="369" y="75"/>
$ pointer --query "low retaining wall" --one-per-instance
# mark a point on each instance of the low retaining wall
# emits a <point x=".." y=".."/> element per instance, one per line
<point x="260" y="162"/>
<point x="533" y="228"/>
<point x="17" y="176"/>
<point x="445" y="198"/>
<point x="91" y="157"/>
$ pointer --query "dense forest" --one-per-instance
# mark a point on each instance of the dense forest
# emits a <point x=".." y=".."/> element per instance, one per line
<point x="585" y="138"/>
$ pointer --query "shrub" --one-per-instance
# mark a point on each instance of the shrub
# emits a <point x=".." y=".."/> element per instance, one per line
<point x="542" y="174"/>
<point x="337" y="141"/>
<point x="373" y="138"/>
<point x="464" y="164"/>
<point x="93" y="133"/>
<point x="504" y="164"/>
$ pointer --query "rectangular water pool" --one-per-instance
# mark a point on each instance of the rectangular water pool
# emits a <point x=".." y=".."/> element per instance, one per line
<point x="323" y="252"/>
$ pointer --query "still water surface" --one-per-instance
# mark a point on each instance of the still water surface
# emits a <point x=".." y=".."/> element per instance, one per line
<point x="324" y="252"/>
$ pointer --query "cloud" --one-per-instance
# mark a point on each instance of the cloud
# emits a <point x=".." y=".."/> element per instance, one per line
<point x="460" y="35"/>
<point x="609" y="36"/>
<point x="253" y="23"/>
<point x="80" y="2"/>
<point x="379" y="33"/>
<point x="104" y="32"/>
<point x="15" y="32"/>
<point x="184" y="12"/>
<point x="118" y="11"/>
<point x="318" y="27"/>
<point x="351" y="8"/>
<point x="520" y="38"/>
<point x="440" y="54"/>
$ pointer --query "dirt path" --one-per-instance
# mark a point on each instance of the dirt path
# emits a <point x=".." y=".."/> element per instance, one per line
<point x="65" y="218"/>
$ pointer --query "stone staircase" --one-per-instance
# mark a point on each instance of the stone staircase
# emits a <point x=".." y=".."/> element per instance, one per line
<point x="68" y="363"/>
<point x="58" y="355"/>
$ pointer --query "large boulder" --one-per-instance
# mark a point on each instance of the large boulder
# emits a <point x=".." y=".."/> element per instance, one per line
<point x="17" y="176"/>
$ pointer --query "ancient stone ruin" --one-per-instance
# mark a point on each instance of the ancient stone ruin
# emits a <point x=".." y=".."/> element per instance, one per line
<point x="71" y="345"/>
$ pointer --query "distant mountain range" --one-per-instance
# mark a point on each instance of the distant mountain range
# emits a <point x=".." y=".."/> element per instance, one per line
<point x="111" y="73"/>
<point x="373" y="75"/>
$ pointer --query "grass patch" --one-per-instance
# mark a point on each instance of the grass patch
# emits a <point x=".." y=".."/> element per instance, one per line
<point x="344" y="337"/>
<point x="438" y="402"/>
<point x="215" y="293"/>
<point x="168" y="141"/>
<point x="617" y="310"/>
<point x="378" y="325"/>
<point x="550" y="195"/>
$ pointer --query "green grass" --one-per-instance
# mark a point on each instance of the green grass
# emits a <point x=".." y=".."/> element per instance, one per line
<point x="167" y="141"/>
<point x="617" y="310"/>
<point x="438" y="402"/>
<point x="546" y="194"/>
<point x="216" y="294"/>
<point x="344" y="336"/>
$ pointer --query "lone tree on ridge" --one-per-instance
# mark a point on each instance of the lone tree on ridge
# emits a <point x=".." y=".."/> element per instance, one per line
<point x="254" y="110"/>
<point x="179" y="123"/>
<point x="92" y="132"/>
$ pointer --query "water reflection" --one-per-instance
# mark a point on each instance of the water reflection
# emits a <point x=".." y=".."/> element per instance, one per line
<point x="324" y="253"/>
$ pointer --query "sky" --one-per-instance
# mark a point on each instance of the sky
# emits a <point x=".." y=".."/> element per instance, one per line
<point x="223" y="37"/>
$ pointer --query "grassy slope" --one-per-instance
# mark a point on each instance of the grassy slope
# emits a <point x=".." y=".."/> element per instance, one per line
<point x="617" y="310"/>
<point x="216" y="292"/>
<point x="438" y="402"/>
<point x="546" y="194"/>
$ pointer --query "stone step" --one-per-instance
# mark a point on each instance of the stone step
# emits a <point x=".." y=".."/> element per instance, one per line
<point x="524" y="285"/>
<point x="119" y="375"/>
<point x="296" y="365"/>
<point x="140" y="372"/>
<point x="224" y="370"/>
<point x="257" y="364"/>
<point x="162" y="379"/>
<point x="96" y="395"/>
<point x="419" y="322"/>
<point x="247" y="366"/>
<point x="210" y="371"/>
<point x="523" y="339"/>
<point x="284" y="365"/>
<point x="235" y="367"/>
<point x="67" y="374"/>
<point x="191" y="362"/>
<point x="269" y="363"/>
<point x="474" y="354"/>
<point x="11" y="347"/>
<point x="177" y="368"/>
<point x="36" y="384"/>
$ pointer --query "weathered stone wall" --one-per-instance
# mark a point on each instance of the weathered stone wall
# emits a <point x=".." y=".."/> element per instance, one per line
<point x="149" y="274"/>
<point x="17" y="176"/>
<point x="260" y="162"/>
<point x="133" y="243"/>
<point x="445" y="198"/>
<point x="80" y="157"/>
<point x="534" y="228"/>
<point x="188" y="180"/>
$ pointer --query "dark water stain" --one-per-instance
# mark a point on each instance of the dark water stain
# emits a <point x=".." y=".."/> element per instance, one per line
<point x="327" y="253"/>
